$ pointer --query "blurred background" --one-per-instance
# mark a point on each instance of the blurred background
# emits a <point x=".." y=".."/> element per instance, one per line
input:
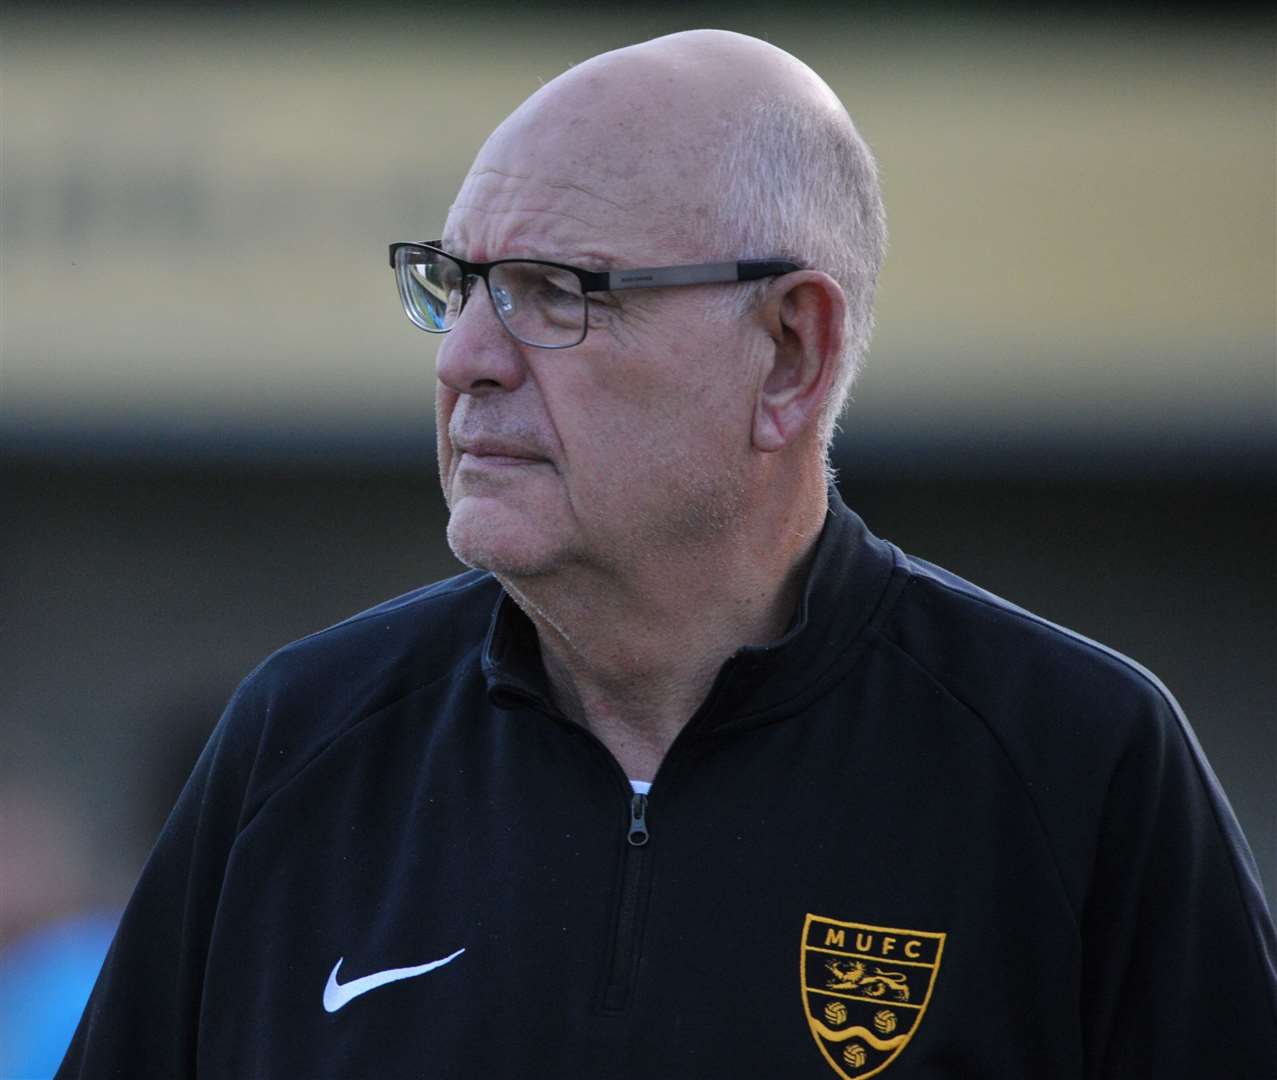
<point x="216" y="421"/>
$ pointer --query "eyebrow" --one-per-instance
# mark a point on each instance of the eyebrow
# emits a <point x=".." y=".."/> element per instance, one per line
<point x="586" y="260"/>
<point x="599" y="264"/>
<point x="589" y="261"/>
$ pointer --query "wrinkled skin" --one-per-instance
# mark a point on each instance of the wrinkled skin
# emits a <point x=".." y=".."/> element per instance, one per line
<point x="638" y="438"/>
<point x="649" y="496"/>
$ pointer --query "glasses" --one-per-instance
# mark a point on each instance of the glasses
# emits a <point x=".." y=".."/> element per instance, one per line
<point x="542" y="304"/>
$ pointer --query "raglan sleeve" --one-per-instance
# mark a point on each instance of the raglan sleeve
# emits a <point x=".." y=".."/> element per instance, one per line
<point x="1180" y="961"/>
<point x="142" y="1017"/>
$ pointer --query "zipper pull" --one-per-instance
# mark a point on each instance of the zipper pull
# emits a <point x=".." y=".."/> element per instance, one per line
<point x="638" y="821"/>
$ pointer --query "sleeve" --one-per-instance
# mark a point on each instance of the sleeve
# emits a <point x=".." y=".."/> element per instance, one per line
<point x="142" y="1017"/>
<point x="1180" y="962"/>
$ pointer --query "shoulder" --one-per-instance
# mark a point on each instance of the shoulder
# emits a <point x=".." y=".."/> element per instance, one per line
<point x="1016" y="669"/>
<point x="308" y="694"/>
<point x="410" y="638"/>
<point x="1155" y="868"/>
<point x="1091" y="736"/>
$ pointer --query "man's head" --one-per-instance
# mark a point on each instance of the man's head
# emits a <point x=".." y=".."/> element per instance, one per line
<point x="682" y="407"/>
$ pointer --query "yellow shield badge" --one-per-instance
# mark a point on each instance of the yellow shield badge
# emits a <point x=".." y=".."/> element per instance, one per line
<point x="865" y="989"/>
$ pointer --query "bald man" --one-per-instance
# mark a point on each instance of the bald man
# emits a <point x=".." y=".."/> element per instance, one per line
<point x="691" y="775"/>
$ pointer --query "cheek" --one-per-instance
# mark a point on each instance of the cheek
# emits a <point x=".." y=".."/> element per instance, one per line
<point x="445" y="402"/>
<point x="644" y="433"/>
<point x="676" y="397"/>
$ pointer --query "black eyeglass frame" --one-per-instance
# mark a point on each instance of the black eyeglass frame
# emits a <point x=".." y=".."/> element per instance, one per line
<point x="649" y="277"/>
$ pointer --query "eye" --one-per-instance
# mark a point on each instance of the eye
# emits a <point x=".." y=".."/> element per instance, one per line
<point x="559" y="288"/>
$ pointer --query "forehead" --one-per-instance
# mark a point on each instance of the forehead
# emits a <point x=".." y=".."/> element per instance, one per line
<point x="501" y="214"/>
<point x="574" y="190"/>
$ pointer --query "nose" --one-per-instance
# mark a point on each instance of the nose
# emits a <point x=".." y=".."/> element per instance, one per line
<point x="478" y="356"/>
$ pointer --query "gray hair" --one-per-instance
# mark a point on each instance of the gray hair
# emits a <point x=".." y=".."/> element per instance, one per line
<point x="798" y="182"/>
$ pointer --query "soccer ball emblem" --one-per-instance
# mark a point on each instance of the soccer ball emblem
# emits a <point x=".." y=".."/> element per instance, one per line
<point x="885" y="1021"/>
<point x="855" y="1055"/>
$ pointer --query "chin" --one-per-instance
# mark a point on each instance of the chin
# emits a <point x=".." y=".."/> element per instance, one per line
<point x="500" y="540"/>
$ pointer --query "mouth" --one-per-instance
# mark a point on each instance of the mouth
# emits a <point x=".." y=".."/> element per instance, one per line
<point x="487" y="454"/>
<point x="469" y="459"/>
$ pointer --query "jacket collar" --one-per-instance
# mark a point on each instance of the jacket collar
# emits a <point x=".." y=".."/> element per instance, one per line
<point x="846" y="585"/>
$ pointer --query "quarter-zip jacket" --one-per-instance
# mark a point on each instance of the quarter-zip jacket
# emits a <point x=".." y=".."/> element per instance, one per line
<point x="924" y="834"/>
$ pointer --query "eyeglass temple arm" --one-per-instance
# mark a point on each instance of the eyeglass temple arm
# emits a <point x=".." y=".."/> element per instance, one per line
<point x="657" y="276"/>
<point x="711" y="273"/>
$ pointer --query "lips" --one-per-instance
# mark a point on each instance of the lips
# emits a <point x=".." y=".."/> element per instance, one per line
<point x="492" y="462"/>
<point x="496" y="449"/>
<point x="493" y="455"/>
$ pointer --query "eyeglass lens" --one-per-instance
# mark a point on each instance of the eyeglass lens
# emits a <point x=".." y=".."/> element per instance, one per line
<point x="540" y="305"/>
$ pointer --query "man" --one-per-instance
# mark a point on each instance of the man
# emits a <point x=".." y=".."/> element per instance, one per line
<point x="693" y="776"/>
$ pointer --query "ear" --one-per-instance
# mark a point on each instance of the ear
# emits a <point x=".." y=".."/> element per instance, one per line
<point x="803" y="313"/>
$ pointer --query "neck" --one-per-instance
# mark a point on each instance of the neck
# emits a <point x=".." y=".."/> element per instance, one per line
<point x="631" y="656"/>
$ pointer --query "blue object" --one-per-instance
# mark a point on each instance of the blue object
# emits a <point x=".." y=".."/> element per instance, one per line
<point x="45" y="980"/>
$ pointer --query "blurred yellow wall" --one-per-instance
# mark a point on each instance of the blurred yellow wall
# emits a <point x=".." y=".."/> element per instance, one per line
<point x="195" y="213"/>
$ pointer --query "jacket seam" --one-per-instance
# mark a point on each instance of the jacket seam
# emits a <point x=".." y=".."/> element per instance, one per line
<point x="1008" y="608"/>
<point x="1182" y="729"/>
<point x="378" y="613"/>
<point x="337" y="737"/>
<point x="1025" y="789"/>
<point x="840" y="667"/>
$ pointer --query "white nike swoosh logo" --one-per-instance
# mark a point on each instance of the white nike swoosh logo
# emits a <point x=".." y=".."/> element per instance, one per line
<point x="336" y="995"/>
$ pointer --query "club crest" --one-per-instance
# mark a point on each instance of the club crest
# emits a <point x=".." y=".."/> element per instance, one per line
<point x="865" y="990"/>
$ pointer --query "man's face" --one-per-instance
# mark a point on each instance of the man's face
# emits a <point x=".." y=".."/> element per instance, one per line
<point x="617" y="449"/>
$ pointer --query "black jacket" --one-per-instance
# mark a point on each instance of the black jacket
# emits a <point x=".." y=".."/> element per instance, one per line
<point x="925" y="832"/>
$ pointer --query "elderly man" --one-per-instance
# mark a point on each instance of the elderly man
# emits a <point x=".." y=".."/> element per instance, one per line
<point x="692" y="776"/>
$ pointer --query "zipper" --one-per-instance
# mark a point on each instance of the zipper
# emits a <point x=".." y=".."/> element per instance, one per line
<point x="638" y="835"/>
<point x="632" y="894"/>
<point x="636" y="859"/>
<point x="629" y="920"/>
